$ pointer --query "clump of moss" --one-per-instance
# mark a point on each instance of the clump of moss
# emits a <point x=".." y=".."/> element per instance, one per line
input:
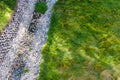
<point x="25" y="70"/>
<point x="41" y="7"/>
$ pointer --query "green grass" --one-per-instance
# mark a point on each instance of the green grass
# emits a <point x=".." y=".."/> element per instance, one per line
<point x="41" y="7"/>
<point x="6" y="10"/>
<point x="25" y="70"/>
<point x="83" y="41"/>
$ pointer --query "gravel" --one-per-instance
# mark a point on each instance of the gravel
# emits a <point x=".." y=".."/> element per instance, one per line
<point x="20" y="49"/>
<point x="11" y="38"/>
<point x="34" y="58"/>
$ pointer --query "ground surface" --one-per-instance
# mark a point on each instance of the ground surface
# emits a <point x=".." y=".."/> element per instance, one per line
<point x="22" y="40"/>
<point x="6" y="10"/>
<point x="83" y="41"/>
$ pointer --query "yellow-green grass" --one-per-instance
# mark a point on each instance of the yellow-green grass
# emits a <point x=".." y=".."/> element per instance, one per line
<point x="83" y="41"/>
<point x="6" y="10"/>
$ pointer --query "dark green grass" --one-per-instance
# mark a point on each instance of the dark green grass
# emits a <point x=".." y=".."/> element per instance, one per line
<point x="83" y="41"/>
<point x="41" y="7"/>
<point x="6" y="10"/>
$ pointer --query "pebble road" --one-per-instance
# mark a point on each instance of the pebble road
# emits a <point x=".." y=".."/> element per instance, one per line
<point x="20" y="48"/>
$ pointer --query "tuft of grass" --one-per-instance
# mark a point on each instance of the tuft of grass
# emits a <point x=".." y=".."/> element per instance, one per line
<point x="30" y="49"/>
<point x="83" y="41"/>
<point x="6" y="10"/>
<point x="25" y="70"/>
<point x="41" y="7"/>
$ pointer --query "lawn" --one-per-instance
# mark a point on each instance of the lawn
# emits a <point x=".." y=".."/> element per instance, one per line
<point x="6" y="10"/>
<point x="83" y="41"/>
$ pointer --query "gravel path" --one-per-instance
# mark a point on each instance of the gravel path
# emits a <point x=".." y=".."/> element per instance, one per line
<point x="19" y="48"/>
<point x="10" y="39"/>
<point x="34" y="58"/>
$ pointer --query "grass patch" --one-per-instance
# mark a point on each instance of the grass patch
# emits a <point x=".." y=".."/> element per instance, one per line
<point x="83" y="41"/>
<point x="25" y="70"/>
<point x="41" y="7"/>
<point x="6" y="10"/>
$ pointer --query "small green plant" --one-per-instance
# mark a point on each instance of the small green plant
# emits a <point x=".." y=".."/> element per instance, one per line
<point x="41" y="7"/>
<point x="30" y="49"/>
<point x="25" y="70"/>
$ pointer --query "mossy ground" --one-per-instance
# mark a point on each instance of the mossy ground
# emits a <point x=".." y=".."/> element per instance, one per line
<point x="83" y="41"/>
<point x="41" y="7"/>
<point x="6" y="10"/>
